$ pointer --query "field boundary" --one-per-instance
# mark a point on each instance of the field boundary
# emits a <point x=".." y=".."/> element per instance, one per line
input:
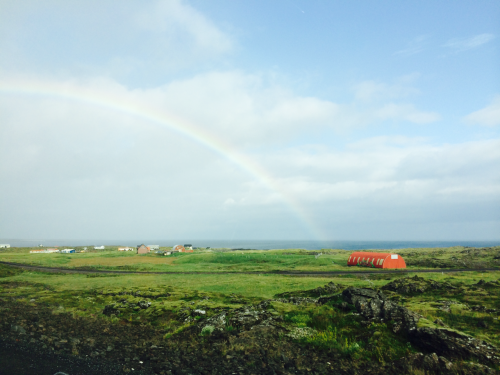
<point x="290" y="273"/>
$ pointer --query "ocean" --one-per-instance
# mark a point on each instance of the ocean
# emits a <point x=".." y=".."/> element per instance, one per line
<point x="255" y="244"/>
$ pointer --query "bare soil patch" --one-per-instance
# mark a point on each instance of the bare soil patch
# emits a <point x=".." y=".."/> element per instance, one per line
<point x="116" y="262"/>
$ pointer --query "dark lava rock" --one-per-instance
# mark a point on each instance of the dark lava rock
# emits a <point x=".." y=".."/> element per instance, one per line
<point x="115" y="308"/>
<point x="454" y="344"/>
<point x="482" y="324"/>
<point x="415" y="285"/>
<point x="325" y="290"/>
<point x="257" y="336"/>
<point x="374" y="305"/>
<point x="429" y="363"/>
<point x="487" y="284"/>
<point x="110" y="310"/>
<point x="482" y="308"/>
<point x="243" y="318"/>
<point x="439" y="322"/>
<point x="297" y="300"/>
<point x="143" y="304"/>
<point x="434" y="364"/>
<point x="136" y="293"/>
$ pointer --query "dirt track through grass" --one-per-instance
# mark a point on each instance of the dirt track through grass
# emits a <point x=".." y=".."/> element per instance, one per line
<point x="291" y="273"/>
<point x="117" y="262"/>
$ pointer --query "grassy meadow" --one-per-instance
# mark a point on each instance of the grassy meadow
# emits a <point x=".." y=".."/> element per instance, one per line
<point x="467" y="302"/>
<point x="224" y="260"/>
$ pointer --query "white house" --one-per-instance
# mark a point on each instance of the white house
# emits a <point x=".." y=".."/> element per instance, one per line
<point x="4" y="246"/>
<point x="47" y="251"/>
<point x="67" y="251"/>
<point x="99" y="247"/>
<point x="153" y="247"/>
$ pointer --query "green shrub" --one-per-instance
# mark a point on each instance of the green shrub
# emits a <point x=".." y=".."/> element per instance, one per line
<point x="298" y="319"/>
<point x="207" y="330"/>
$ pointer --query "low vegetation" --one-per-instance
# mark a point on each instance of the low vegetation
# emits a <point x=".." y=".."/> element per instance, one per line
<point x="224" y="260"/>
<point x="255" y="323"/>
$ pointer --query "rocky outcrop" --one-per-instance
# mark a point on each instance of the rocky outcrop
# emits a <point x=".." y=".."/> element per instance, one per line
<point x="454" y="344"/>
<point x="415" y="285"/>
<point x="325" y="290"/>
<point x="243" y="318"/>
<point x="429" y="363"/>
<point x="487" y="284"/>
<point x="296" y="300"/>
<point x="434" y="364"/>
<point x="116" y="308"/>
<point x="482" y="308"/>
<point x="373" y="305"/>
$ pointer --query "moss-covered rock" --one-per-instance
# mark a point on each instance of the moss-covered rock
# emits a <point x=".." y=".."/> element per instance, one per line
<point x="325" y="290"/>
<point x="416" y="285"/>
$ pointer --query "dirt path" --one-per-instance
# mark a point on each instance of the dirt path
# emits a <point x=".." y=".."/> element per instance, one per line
<point x="298" y="273"/>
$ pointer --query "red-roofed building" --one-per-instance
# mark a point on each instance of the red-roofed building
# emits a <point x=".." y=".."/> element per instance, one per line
<point x="376" y="260"/>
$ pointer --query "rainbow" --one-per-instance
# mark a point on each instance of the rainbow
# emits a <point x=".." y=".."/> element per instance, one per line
<point x="126" y="104"/>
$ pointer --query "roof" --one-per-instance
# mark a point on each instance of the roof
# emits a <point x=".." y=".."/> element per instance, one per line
<point x="377" y="260"/>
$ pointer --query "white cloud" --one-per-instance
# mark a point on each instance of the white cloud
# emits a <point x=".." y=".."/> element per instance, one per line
<point x="140" y="43"/>
<point x="177" y="17"/>
<point x="488" y="116"/>
<point x="464" y="44"/>
<point x="244" y="110"/>
<point x="391" y="168"/>
<point x="414" y="47"/>
<point x="373" y="90"/>
<point x="85" y="157"/>
<point x="405" y="112"/>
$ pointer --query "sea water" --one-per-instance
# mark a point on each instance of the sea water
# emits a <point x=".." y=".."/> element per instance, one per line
<point x="253" y="244"/>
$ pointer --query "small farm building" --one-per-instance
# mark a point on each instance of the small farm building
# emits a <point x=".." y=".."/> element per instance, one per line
<point x="37" y="251"/>
<point x="46" y="251"/>
<point x="142" y="249"/>
<point x="188" y="246"/>
<point x="376" y="260"/>
<point x="125" y="249"/>
<point x="4" y="246"/>
<point x="154" y="247"/>
<point x="181" y="249"/>
<point x="67" y="251"/>
<point x="99" y="247"/>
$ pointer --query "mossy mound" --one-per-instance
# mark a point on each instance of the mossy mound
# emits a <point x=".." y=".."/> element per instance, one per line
<point x="7" y="271"/>
<point x="416" y="285"/>
<point x="321" y="291"/>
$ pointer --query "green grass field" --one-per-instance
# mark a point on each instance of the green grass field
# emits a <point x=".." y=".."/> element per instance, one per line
<point x="172" y="296"/>
<point x="254" y="260"/>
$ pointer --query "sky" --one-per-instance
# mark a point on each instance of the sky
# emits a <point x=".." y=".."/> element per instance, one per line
<point x="224" y="119"/>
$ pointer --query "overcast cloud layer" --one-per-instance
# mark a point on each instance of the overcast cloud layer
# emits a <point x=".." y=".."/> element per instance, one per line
<point x="315" y="129"/>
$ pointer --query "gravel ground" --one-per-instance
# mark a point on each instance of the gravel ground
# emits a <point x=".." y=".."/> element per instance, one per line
<point x="17" y="358"/>
<point x="35" y="340"/>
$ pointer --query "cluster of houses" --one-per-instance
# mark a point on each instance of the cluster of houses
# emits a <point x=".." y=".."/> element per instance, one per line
<point x="141" y="249"/>
<point x="50" y="251"/>
<point x="126" y="249"/>
<point x="62" y="251"/>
